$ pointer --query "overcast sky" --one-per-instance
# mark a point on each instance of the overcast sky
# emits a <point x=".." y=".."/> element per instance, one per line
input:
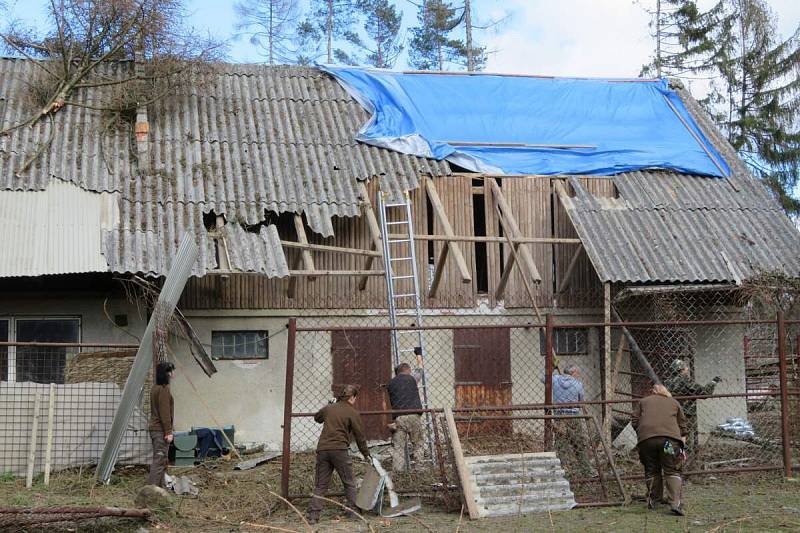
<point x="603" y="38"/>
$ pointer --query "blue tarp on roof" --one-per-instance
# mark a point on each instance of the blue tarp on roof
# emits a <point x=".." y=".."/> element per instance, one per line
<point x="589" y="126"/>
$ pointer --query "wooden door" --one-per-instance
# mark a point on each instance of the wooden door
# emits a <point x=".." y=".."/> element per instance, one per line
<point x="363" y="358"/>
<point x="483" y="373"/>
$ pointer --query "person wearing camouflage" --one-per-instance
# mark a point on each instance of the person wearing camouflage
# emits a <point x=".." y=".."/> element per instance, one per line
<point x="681" y="384"/>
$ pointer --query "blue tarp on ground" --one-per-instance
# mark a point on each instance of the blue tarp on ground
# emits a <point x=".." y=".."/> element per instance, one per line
<point x="605" y="126"/>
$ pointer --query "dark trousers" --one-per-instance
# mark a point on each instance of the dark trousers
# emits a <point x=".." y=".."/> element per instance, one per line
<point x="327" y="462"/>
<point x="655" y="461"/>
<point x="160" y="458"/>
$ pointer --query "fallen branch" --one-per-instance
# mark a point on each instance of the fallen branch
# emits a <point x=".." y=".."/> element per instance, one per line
<point x="29" y="516"/>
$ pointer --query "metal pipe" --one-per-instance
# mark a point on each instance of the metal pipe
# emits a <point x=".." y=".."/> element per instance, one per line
<point x="548" y="379"/>
<point x="786" y="441"/>
<point x="287" y="407"/>
<point x="70" y="344"/>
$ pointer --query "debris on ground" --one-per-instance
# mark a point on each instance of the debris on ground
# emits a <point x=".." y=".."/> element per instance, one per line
<point x="181" y="485"/>
<point x="13" y="518"/>
<point x="255" y="461"/>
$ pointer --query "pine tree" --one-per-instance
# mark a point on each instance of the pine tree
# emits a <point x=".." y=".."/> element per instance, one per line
<point x="431" y="46"/>
<point x="333" y="19"/>
<point x="759" y="93"/>
<point x="684" y="37"/>
<point x="270" y="24"/>
<point x="382" y="26"/>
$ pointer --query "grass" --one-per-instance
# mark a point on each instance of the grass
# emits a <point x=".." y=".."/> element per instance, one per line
<point x="229" y="499"/>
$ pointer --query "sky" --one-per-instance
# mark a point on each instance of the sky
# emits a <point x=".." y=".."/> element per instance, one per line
<point x="597" y="38"/>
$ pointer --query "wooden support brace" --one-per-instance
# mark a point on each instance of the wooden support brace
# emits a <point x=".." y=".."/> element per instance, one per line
<point x="512" y="229"/>
<point x="461" y="465"/>
<point x="34" y="437"/>
<point x="308" y="259"/>
<point x="374" y="231"/>
<point x="516" y="260"/>
<point x="51" y="411"/>
<point x="332" y="249"/>
<point x="572" y="262"/>
<point x="452" y="245"/>
<point x="291" y="289"/>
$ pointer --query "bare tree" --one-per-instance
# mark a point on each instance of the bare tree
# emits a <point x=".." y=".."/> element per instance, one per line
<point x="83" y="35"/>
<point x="271" y="25"/>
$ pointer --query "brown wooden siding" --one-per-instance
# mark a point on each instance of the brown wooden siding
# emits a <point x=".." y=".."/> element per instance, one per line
<point x="536" y="214"/>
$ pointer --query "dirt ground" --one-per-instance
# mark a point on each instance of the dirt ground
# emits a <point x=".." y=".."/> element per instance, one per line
<point x="244" y="501"/>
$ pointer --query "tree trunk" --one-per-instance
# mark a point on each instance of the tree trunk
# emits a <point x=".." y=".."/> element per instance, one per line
<point x="329" y="30"/>
<point x="468" y="25"/>
<point x="271" y="30"/>
<point x="658" y="38"/>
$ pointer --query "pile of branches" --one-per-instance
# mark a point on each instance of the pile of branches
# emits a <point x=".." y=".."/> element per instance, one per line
<point x="769" y="292"/>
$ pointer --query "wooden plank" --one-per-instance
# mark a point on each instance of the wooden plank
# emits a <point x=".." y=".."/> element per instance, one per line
<point x="607" y="352"/>
<point x="441" y="215"/>
<point x="514" y="230"/>
<point x="613" y="384"/>
<point x="517" y="261"/>
<point x="332" y="249"/>
<point x="308" y="260"/>
<point x="51" y="410"/>
<point x="291" y="288"/>
<point x="32" y="442"/>
<point x="336" y="273"/>
<point x="572" y="262"/>
<point x="438" y="271"/>
<point x="374" y="231"/>
<point x="464" y="473"/>
<point x="493" y="239"/>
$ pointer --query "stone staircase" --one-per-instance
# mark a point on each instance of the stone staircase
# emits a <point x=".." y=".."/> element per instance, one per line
<point x="518" y="483"/>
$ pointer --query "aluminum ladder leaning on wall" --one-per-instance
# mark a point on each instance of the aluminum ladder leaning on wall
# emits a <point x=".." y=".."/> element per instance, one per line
<point x="402" y="286"/>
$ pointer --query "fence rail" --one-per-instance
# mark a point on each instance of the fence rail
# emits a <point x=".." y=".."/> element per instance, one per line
<point x="492" y="372"/>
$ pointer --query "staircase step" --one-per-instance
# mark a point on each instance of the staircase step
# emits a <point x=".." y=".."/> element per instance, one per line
<point x="509" y="509"/>
<point x="535" y="498"/>
<point x="522" y="489"/>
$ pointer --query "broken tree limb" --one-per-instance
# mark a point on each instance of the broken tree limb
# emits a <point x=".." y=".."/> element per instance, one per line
<point x="441" y="215"/>
<point x="13" y="518"/>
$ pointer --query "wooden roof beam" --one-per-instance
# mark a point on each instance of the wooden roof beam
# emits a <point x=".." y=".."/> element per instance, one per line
<point x="308" y="259"/>
<point x="374" y="231"/>
<point x="332" y="249"/>
<point x="450" y="247"/>
<point x="572" y="262"/>
<point x="512" y="230"/>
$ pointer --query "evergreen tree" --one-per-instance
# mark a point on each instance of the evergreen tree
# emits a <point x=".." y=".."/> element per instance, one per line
<point x="270" y="24"/>
<point x="431" y="46"/>
<point x="332" y="19"/>
<point x="684" y="37"/>
<point x="758" y="96"/>
<point x="382" y="26"/>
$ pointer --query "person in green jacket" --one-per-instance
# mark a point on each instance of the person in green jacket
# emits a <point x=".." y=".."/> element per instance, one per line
<point x="681" y="384"/>
<point x="340" y="422"/>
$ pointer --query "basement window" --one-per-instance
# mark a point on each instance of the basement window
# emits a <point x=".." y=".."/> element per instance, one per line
<point x="567" y="341"/>
<point x="251" y="344"/>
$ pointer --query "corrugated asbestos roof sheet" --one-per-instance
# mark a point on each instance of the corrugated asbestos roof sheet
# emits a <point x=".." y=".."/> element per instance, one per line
<point x="245" y="139"/>
<point x="673" y="228"/>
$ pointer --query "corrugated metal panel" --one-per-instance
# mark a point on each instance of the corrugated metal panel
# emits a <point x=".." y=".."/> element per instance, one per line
<point x="245" y="139"/>
<point x="54" y="231"/>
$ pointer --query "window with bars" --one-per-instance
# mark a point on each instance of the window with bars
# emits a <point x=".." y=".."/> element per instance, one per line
<point x="250" y="344"/>
<point x="567" y="341"/>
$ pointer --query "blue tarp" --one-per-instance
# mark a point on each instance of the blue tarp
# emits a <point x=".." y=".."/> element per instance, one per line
<point x="600" y="127"/>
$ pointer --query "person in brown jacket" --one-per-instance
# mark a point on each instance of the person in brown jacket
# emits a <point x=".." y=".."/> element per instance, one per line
<point x="162" y="414"/>
<point x="340" y="422"/>
<point x="661" y="430"/>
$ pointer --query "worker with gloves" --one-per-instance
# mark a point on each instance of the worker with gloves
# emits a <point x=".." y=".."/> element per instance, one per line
<point x="340" y="422"/>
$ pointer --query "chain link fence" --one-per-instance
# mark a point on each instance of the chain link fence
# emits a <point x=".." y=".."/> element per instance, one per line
<point x="57" y="403"/>
<point x="718" y="356"/>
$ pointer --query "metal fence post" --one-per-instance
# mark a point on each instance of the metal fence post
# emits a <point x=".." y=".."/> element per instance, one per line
<point x="548" y="380"/>
<point x="287" y="407"/>
<point x="785" y="440"/>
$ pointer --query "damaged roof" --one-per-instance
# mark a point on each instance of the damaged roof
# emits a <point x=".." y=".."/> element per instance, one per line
<point x="243" y="141"/>
<point x="676" y="228"/>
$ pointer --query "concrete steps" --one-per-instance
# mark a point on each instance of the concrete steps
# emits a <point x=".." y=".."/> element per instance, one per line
<point x="519" y="483"/>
